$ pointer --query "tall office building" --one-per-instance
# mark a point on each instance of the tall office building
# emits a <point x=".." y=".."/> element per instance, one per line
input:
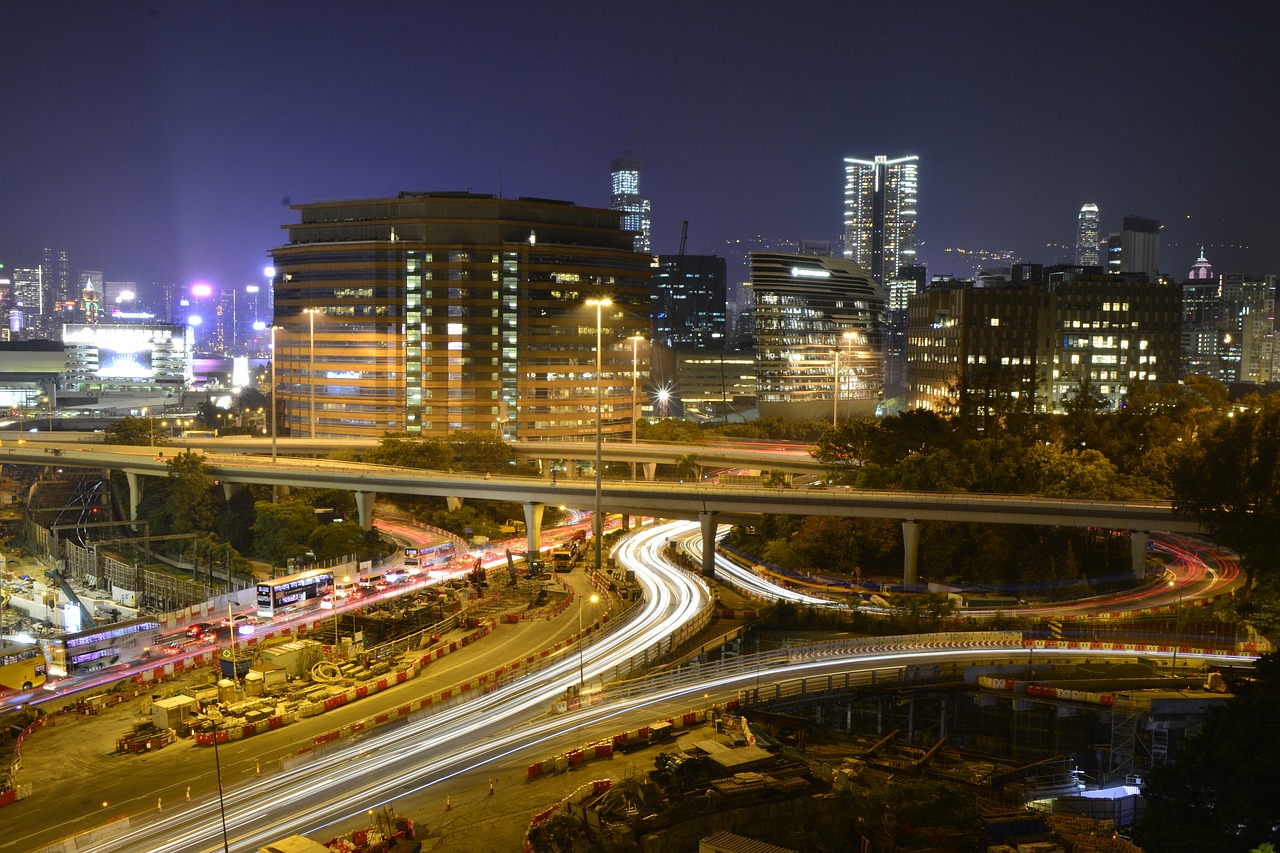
<point x="1140" y="246"/>
<point x="1088" y="237"/>
<point x="1201" y="270"/>
<point x="1029" y="346"/>
<point x="689" y="302"/>
<point x="57" y="276"/>
<point x="434" y="312"/>
<point x="818" y="337"/>
<point x="880" y="214"/>
<point x="624" y="196"/>
<point x="29" y="300"/>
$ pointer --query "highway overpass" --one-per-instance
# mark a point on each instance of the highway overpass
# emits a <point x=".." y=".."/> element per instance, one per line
<point x="711" y="505"/>
<point x="767" y="456"/>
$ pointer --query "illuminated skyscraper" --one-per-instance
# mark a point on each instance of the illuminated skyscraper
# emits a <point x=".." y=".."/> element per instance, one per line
<point x="625" y="196"/>
<point x="1088" y="237"/>
<point x="880" y="214"/>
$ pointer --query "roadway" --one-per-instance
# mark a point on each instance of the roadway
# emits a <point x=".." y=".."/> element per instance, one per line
<point x="731" y="504"/>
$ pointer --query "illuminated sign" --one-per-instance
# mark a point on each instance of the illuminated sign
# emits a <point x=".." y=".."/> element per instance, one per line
<point x="802" y="272"/>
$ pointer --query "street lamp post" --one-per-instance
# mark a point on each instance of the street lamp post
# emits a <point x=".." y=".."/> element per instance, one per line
<point x="635" y="400"/>
<point x="275" y="497"/>
<point x="217" y="765"/>
<point x="1177" y="628"/>
<point x="597" y="522"/>
<point x="311" y="368"/>
<point x="582" y="678"/>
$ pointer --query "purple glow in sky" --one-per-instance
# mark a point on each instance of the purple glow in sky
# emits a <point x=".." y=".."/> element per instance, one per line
<point x="163" y="142"/>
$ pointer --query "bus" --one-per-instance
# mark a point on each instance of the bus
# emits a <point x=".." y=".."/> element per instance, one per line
<point x="437" y="555"/>
<point x="411" y="563"/>
<point x="22" y="667"/>
<point x="98" y="648"/>
<point x="303" y="589"/>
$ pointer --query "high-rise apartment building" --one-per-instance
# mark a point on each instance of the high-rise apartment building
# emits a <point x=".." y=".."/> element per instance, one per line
<point x="1140" y="246"/>
<point x="689" y="301"/>
<point x="819" y="348"/>
<point x="880" y="214"/>
<point x="624" y="196"/>
<point x="434" y="312"/>
<point x="1088" y="237"/>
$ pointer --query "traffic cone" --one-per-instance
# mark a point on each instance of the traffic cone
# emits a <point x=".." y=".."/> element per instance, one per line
<point x="448" y="803"/>
<point x="491" y="787"/>
<point x="188" y="793"/>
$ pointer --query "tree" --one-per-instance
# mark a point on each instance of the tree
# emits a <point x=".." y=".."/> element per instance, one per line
<point x="670" y="430"/>
<point x="339" y="539"/>
<point x="480" y="451"/>
<point x="405" y="451"/>
<point x="1218" y="792"/>
<point x="280" y="529"/>
<point x="688" y="467"/>
<point x="1231" y="485"/>
<point x="191" y="504"/>
<point x="140" y="432"/>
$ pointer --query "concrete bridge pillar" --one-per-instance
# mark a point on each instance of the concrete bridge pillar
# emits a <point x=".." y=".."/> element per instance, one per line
<point x="1138" y="541"/>
<point x="452" y="503"/>
<point x="230" y="490"/>
<point x="650" y="471"/>
<point x="911" y="550"/>
<point x="533" y="527"/>
<point x="544" y="467"/>
<point x="135" y="494"/>
<point x="708" y="522"/>
<point x="626" y="522"/>
<point x="364" y="508"/>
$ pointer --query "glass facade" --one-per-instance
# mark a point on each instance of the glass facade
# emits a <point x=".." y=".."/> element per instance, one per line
<point x="467" y="314"/>
<point x="819" y="348"/>
<point x="880" y="214"/>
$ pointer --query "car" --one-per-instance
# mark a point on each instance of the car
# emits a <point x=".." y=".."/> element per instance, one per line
<point x="202" y="629"/>
<point x="238" y="619"/>
<point x="173" y="649"/>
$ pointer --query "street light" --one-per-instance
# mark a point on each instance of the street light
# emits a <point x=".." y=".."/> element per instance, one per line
<point x="1177" y="628"/>
<point x="582" y="679"/>
<point x="597" y="523"/>
<point x="217" y="764"/>
<point x="151" y="427"/>
<point x="635" y="402"/>
<point x="274" y="488"/>
<point x="835" y="379"/>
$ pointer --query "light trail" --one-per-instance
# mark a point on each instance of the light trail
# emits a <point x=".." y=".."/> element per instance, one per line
<point x="410" y="758"/>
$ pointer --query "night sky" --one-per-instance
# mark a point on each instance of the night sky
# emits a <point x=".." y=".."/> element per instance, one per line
<point x="162" y="142"/>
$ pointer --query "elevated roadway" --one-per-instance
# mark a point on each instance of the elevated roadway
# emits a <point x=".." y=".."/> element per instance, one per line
<point x="710" y="505"/>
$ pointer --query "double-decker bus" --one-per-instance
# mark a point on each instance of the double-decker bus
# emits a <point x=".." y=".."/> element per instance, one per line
<point x="303" y="589"/>
<point x="411" y="561"/>
<point x="437" y="555"/>
<point x="101" y="647"/>
<point x="22" y="666"/>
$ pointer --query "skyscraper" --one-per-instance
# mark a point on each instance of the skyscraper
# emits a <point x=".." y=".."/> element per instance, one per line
<point x="1088" y="237"/>
<point x="880" y="214"/>
<point x="689" y="301"/>
<point x="1140" y="246"/>
<point x="625" y="196"/>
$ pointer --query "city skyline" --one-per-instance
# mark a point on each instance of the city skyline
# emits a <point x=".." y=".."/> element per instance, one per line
<point x="179" y="147"/>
